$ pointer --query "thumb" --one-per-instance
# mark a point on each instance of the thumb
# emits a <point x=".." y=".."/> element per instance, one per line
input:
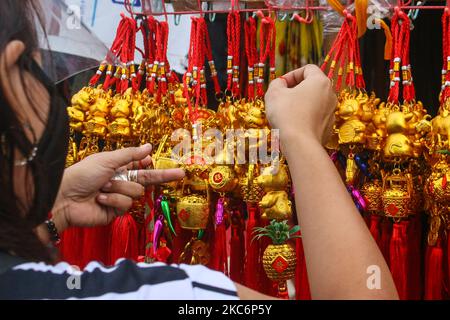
<point x="122" y="157"/>
<point x="278" y="83"/>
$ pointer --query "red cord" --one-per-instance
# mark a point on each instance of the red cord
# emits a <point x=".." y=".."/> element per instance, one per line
<point x="272" y="52"/>
<point x="251" y="52"/>
<point x="236" y="53"/>
<point x="445" y="94"/>
<point x="395" y="59"/>
<point x="264" y="50"/>
<point x="209" y="56"/>
<point x="230" y="28"/>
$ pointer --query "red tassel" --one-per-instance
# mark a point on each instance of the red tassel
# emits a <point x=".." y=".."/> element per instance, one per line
<point x="142" y="239"/>
<point x="219" y="257"/>
<point x="96" y="245"/>
<point x="179" y="242"/>
<point x="447" y="275"/>
<point x="95" y="79"/>
<point x="71" y="246"/>
<point x="415" y="253"/>
<point x="124" y="238"/>
<point x="283" y="294"/>
<point x="302" y="291"/>
<point x="252" y="251"/>
<point x="236" y="249"/>
<point x="374" y="227"/>
<point x="434" y="272"/>
<point x="386" y="233"/>
<point x="399" y="258"/>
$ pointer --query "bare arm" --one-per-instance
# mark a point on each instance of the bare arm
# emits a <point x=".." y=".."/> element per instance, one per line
<point x="338" y="245"/>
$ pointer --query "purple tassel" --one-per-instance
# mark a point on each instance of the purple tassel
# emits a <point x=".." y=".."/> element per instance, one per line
<point x="219" y="211"/>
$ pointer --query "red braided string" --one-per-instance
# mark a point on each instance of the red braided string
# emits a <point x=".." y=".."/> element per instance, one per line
<point x="445" y="55"/>
<point x="251" y="53"/>
<point x="273" y="48"/>
<point x="202" y="99"/>
<point x="188" y="76"/>
<point x="334" y="47"/>
<point x="264" y="51"/>
<point x="230" y="28"/>
<point x="210" y="58"/>
<point x="111" y="56"/>
<point x="396" y="59"/>
<point x="236" y="53"/>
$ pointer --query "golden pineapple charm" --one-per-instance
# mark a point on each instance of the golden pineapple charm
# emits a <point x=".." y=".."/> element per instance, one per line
<point x="279" y="258"/>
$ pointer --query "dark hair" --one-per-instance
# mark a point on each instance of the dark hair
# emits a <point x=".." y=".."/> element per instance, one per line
<point x="18" y="219"/>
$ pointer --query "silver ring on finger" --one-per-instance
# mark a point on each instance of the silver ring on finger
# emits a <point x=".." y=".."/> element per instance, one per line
<point x="133" y="175"/>
<point x="121" y="176"/>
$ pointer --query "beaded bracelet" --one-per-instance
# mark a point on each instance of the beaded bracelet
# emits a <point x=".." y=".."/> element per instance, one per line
<point x="54" y="236"/>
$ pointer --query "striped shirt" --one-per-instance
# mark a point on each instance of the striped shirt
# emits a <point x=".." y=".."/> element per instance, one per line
<point x="125" y="280"/>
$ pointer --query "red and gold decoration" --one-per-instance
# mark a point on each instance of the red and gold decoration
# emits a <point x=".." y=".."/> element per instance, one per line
<point x="279" y="258"/>
<point x="233" y="214"/>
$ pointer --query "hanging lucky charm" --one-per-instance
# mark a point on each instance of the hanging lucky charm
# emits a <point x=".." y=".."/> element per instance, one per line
<point x="437" y="190"/>
<point x="405" y="126"/>
<point x="355" y="138"/>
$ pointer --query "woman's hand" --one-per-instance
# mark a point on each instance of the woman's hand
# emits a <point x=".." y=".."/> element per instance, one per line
<point x="302" y="103"/>
<point x="88" y="197"/>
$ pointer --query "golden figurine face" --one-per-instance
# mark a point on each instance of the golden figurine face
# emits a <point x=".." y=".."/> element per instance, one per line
<point x="276" y="205"/>
<point x="96" y="126"/>
<point x="397" y="145"/>
<point x="83" y="99"/>
<point x="100" y="108"/>
<point x="352" y="132"/>
<point x="119" y="128"/>
<point x="348" y="108"/>
<point x="254" y="116"/>
<point x="396" y="122"/>
<point x="76" y="117"/>
<point x="121" y="107"/>
<point x="270" y="181"/>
